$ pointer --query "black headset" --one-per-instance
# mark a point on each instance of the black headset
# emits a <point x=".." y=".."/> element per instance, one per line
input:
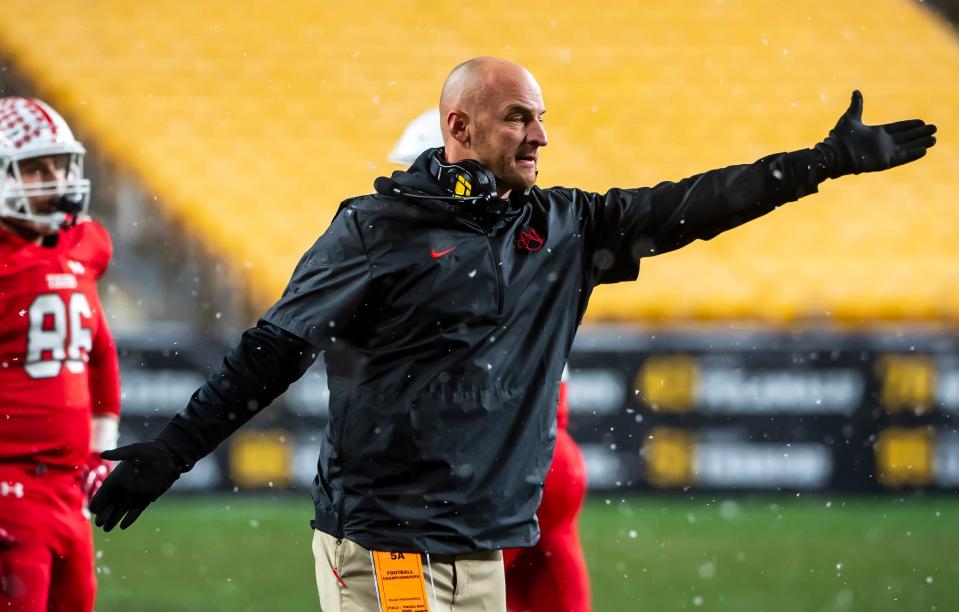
<point x="466" y="181"/>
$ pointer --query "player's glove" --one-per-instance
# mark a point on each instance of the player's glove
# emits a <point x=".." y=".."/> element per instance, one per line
<point x="853" y="147"/>
<point x="145" y="472"/>
<point x="7" y="540"/>
<point x="94" y="472"/>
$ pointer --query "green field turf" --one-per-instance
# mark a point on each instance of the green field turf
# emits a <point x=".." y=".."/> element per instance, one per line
<point x="778" y="554"/>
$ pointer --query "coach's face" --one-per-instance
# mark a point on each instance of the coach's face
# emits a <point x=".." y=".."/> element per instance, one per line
<point x="508" y="127"/>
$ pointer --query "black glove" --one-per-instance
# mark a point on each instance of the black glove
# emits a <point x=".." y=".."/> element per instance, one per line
<point x="853" y="147"/>
<point x="145" y="472"/>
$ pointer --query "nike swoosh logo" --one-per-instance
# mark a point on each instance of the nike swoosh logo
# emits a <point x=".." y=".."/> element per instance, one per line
<point x="441" y="253"/>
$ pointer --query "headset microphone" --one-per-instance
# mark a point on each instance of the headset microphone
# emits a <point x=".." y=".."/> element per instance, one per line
<point x="387" y="186"/>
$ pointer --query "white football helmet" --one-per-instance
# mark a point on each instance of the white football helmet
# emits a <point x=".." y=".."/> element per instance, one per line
<point x="30" y="128"/>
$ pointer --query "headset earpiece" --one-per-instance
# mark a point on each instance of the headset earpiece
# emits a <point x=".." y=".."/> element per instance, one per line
<point x="467" y="180"/>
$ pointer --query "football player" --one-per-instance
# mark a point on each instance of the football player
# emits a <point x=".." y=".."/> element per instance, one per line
<point x="59" y="378"/>
<point x="551" y="576"/>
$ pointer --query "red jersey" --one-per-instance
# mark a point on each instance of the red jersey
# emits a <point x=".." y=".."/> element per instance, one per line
<point x="562" y="408"/>
<point x="58" y="362"/>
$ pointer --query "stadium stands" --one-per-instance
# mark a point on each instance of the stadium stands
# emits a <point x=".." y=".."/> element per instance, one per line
<point x="251" y="121"/>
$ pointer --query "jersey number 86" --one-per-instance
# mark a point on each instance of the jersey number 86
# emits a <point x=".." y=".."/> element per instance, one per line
<point x="51" y="339"/>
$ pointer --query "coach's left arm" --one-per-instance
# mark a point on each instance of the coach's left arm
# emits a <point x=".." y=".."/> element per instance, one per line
<point x="624" y="225"/>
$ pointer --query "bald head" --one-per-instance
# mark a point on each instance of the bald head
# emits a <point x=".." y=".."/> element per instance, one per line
<point x="464" y="87"/>
<point x="469" y="84"/>
<point x="491" y="110"/>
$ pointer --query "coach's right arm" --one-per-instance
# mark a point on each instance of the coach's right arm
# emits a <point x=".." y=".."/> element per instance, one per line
<point x="328" y="286"/>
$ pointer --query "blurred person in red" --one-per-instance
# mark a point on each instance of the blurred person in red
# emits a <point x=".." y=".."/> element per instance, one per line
<point x="552" y="576"/>
<point x="59" y="375"/>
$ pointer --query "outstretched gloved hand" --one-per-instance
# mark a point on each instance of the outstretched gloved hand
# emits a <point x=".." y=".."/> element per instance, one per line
<point x="145" y="472"/>
<point x="853" y="147"/>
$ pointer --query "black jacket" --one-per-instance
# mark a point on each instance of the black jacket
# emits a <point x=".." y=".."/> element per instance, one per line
<point x="446" y="328"/>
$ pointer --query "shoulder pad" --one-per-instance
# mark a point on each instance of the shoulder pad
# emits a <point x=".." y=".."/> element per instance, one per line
<point x="89" y="243"/>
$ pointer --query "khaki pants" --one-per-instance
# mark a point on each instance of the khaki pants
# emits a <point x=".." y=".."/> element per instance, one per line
<point x="464" y="583"/>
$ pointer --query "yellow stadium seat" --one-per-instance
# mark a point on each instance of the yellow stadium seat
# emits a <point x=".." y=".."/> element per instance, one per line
<point x="255" y="121"/>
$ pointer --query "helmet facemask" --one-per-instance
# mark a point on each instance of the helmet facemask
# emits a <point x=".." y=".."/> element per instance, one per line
<point x="18" y="199"/>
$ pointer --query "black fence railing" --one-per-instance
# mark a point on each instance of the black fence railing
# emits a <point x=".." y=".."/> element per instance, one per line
<point x="750" y="411"/>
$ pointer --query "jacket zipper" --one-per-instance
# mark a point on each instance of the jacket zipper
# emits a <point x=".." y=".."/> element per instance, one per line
<point x="487" y="233"/>
<point x="499" y="276"/>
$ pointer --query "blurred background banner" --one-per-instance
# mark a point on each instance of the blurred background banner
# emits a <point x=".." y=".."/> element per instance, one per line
<point x="720" y="410"/>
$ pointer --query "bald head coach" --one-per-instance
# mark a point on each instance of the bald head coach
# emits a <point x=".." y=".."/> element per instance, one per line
<point x="446" y="304"/>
